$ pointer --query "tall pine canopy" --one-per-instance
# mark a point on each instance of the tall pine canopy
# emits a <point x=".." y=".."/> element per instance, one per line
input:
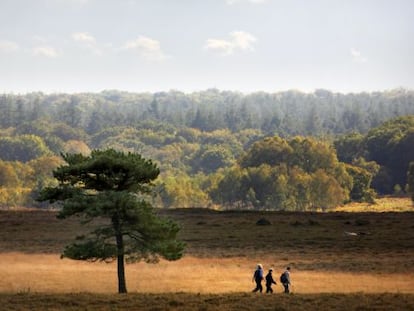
<point x="113" y="186"/>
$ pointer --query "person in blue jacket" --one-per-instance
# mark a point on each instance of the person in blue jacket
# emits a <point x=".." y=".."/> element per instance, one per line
<point x="258" y="278"/>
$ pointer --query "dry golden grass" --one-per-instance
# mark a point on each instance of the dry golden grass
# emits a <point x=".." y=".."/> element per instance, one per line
<point x="385" y="204"/>
<point x="331" y="271"/>
<point x="49" y="274"/>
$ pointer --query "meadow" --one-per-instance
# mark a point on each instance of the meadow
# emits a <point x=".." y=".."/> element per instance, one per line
<point x="332" y="269"/>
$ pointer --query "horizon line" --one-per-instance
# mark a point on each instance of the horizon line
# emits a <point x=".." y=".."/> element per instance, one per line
<point x="298" y="90"/>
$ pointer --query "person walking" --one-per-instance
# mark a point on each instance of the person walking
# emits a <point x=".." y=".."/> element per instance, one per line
<point x="258" y="278"/>
<point x="285" y="280"/>
<point x="269" y="281"/>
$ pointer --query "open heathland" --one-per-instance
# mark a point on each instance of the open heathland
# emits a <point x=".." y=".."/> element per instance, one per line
<point x="207" y="302"/>
<point x="339" y="260"/>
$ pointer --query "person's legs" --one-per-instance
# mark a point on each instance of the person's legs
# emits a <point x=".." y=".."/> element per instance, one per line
<point x="286" y="285"/>
<point x="258" y="287"/>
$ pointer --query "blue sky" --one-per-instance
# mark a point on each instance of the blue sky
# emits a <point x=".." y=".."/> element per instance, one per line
<point x="192" y="45"/>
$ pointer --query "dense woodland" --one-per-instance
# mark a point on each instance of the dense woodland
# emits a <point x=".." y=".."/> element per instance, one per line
<point x="285" y="151"/>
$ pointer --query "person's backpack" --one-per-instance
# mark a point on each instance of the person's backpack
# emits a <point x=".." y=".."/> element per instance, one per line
<point x="283" y="278"/>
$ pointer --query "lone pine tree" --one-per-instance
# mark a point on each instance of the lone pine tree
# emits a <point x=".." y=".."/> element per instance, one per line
<point x="112" y="186"/>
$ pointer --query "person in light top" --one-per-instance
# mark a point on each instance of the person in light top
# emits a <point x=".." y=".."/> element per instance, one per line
<point x="285" y="280"/>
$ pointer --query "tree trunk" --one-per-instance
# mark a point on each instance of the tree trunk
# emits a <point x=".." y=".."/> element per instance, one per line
<point x="121" y="266"/>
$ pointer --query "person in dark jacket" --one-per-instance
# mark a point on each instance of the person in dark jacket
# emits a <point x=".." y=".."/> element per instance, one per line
<point x="258" y="278"/>
<point x="285" y="280"/>
<point x="269" y="281"/>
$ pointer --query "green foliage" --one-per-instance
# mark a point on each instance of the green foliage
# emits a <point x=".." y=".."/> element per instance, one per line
<point x="311" y="154"/>
<point x="22" y="148"/>
<point x="271" y="151"/>
<point x="210" y="158"/>
<point x="76" y="146"/>
<point x="17" y="183"/>
<point x="299" y="183"/>
<point x="108" y="170"/>
<point x="181" y="191"/>
<point x="361" y="181"/>
<point x="268" y="184"/>
<point x="66" y="132"/>
<point x="296" y="174"/>
<point x="226" y="126"/>
<point x="43" y="170"/>
<point x="349" y="147"/>
<point x="14" y="196"/>
<point x="362" y="173"/>
<point x="54" y="134"/>
<point x="391" y="146"/>
<point x="229" y="189"/>
<point x="8" y="175"/>
<point x="325" y="191"/>
<point x="145" y="235"/>
<point x="286" y="113"/>
<point x="191" y="135"/>
<point x="20" y="182"/>
<point x="112" y="185"/>
<point x="371" y="166"/>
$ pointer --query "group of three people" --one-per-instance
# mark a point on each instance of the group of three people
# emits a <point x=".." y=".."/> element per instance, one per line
<point x="258" y="277"/>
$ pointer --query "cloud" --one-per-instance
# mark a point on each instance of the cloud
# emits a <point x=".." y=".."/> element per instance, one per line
<point x="147" y="48"/>
<point x="88" y="41"/>
<point x="8" y="46"/>
<point x="46" y="51"/>
<point x="243" y="40"/>
<point x="83" y="37"/>
<point x="221" y="46"/>
<point x="357" y="56"/>
<point x="239" y="41"/>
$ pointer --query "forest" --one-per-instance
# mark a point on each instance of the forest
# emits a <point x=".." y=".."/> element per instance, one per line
<point x="220" y="149"/>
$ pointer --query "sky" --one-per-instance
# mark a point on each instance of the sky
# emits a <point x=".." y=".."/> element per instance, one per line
<point x="71" y="46"/>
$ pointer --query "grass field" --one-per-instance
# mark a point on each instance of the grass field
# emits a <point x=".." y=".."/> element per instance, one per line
<point x="385" y="204"/>
<point x="372" y="269"/>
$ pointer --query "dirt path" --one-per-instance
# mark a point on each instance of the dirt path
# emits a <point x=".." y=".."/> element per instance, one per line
<point x="48" y="273"/>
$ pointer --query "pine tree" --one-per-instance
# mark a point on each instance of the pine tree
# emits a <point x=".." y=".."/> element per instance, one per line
<point x="112" y="186"/>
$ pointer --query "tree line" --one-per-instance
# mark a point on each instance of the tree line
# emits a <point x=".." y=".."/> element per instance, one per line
<point x="284" y="113"/>
<point x="286" y="150"/>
